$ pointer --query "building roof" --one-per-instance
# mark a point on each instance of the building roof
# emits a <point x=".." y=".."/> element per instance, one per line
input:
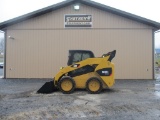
<point x="86" y="2"/>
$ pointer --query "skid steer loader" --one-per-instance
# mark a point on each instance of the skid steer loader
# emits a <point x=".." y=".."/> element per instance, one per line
<point x="84" y="71"/>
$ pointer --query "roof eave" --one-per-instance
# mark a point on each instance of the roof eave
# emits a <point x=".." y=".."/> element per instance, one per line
<point x="42" y="11"/>
<point x="154" y="24"/>
<point x="36" y="13"/>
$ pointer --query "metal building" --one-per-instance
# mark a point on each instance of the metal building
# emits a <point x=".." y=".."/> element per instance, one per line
<point x="37" y="43"/>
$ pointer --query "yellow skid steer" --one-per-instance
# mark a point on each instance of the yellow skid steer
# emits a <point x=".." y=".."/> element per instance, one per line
<point x="84" y="71"/>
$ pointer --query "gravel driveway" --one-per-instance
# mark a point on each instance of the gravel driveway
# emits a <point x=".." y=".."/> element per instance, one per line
<point x="127" y="100"/>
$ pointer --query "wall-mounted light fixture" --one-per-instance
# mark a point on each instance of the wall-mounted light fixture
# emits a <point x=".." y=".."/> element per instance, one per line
<point x="10" y="37"/>
<point x="76" y="7"/>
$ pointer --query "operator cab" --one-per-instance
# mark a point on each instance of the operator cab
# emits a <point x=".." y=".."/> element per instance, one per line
<point x="79" y="55"/>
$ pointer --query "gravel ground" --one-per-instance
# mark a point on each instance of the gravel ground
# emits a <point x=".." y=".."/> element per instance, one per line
<point x="127" y="100"/>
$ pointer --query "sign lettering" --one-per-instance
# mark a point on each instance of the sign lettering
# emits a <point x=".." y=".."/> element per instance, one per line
<point x="78" y="21"/>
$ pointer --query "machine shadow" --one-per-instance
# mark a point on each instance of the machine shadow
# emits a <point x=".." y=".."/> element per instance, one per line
<point x="103" y="91"/>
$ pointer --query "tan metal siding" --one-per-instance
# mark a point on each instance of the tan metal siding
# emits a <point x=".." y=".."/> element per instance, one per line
<point x="55" y="19"/>
<point x="41" y="44"/>
<point x="43" y="52"/>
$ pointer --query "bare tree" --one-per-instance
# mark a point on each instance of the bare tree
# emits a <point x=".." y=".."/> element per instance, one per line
<point x="1" y="45"/>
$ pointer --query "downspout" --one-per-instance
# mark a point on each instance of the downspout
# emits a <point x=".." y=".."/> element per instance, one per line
<point x="5" y="51"/>
<point x="153" y="54"/>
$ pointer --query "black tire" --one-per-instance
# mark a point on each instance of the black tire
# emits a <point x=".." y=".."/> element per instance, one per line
<point x="91" y="83"/>
<point x="64" y="82"/>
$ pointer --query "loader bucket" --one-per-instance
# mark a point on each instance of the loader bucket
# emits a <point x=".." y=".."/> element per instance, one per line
<point x="47" y="88"/>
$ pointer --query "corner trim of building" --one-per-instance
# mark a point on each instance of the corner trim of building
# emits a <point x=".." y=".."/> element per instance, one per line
<point x="153" y="52"/>
<point x="5" y="49"/>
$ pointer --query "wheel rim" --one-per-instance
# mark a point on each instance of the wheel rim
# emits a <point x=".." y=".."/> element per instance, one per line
<point x="66" y="85"/>
<point x="94" y="85"/>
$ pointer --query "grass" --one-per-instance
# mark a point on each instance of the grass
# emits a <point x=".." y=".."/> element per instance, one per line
<point x="157" y="60"/>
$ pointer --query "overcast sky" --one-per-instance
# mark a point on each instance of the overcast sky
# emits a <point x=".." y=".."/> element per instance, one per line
<point x="145" y="8"/>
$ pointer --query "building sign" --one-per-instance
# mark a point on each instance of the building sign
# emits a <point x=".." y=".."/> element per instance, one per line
<point x="78" y="21"/>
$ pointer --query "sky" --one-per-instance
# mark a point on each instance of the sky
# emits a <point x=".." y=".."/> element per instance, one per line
<point x="145" y="8"/>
